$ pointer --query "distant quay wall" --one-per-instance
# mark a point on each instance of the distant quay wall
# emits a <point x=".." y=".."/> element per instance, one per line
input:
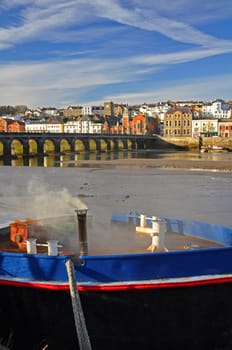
<point x="192" y="144"/>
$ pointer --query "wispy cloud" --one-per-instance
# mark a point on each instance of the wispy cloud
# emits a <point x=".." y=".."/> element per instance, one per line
<point x="112" y="42"/>
<point x="182" y="56"/>
<point x="205" y="88"/>
<point x="41" y="17"/>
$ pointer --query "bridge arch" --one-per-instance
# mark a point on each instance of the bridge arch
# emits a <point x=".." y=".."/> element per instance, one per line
<point x="102" y="145"/>
<point x="14" y="147"/>
<point x="18" y="147"/>
<point x="33" y="146"/>
<point x="92" y="145"/>
<point x="48" y="146"/>
<point x="121" y="145"/>
<point x="65" y="145"/>
<point x="79" y="145"/>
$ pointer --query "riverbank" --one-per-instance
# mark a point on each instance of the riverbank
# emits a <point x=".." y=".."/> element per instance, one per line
<point x="165" y="163"/>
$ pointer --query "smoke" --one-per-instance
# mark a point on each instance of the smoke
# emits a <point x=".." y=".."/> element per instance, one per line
<point x="47" y="202"/>
<point x="36" y="199"/>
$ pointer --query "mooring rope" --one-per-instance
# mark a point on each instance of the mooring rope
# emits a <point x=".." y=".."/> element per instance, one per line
<point x="81" y="329"/>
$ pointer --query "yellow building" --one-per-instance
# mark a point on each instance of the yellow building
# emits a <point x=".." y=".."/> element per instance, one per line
<point x="178" y="122"/>
<point x="72" y="111"/>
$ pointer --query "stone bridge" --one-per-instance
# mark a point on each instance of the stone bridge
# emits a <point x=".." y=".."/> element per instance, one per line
<point x="27" y="144"/>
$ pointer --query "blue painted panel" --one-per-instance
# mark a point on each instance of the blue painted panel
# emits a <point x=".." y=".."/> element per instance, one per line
<point x="35" y="267"/>
<point x="157" y="265"/>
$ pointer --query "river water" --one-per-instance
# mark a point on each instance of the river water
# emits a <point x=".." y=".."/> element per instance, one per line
<point x="73" y="160"/>
<point x="57" y="185"/>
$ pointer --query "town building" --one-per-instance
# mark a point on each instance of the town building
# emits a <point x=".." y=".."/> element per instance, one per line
<point x="178" y="122"/>
<point x="153" y="110"/>
<point x="204" y="127"/>
<point x="72" y="112"/>
<point x="84" y="126"/>
<point x="10" y="125"/>
<point x="119" y="109"/>
<point x="225" y="128"/>
<point x="139" y="124"/>
<point x="98" y="111"/>
<point x="108" y="109"/>
<point x="49" y="111"/>
<point x="44" y="127"/>
<point x="217" y="109"/>
<point x="86" y="110"/>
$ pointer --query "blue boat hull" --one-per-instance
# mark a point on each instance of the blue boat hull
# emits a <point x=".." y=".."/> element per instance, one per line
<point x="178" y="299"/>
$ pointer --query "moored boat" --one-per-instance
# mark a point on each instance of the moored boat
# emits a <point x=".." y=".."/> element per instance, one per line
<point x="164" y="283"/>
<point x="215" y="148"/>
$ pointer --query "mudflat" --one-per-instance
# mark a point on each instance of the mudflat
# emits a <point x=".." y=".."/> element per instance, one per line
<point x="194" y="189"/>
<point x="199" y="164"/>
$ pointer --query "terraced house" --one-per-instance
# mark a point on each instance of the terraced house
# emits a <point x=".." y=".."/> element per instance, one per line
<point x="178" y="122"/>
<point x="10" y="125"/>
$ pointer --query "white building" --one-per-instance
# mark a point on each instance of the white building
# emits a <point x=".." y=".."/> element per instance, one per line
<point x="206" y="127"/>
<point x="152" y="110"/>
<point x="86" y="110"/>
<point x="83" y="127"/>
<point x="44" y="127"/>
<point x="217" y="109"/>
<point x="51" y="111"/>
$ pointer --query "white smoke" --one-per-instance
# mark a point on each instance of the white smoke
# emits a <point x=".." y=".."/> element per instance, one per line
<point x="47" y="202"/>
<point x="37" y="199"/>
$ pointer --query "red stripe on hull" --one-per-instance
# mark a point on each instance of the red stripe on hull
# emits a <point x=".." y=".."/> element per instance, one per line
<point x="120" y="287"/>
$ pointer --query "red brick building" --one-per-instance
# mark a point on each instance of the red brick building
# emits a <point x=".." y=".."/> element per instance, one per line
<point x="140" y="125"/>
<point x="9" y="125"/>
<point x="225" y="128"/>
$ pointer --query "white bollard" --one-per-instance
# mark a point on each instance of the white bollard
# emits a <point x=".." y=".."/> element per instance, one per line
<point x="143" y="220"/>
<point x="52" y="247"/>
<point x="154" y="242"/>
<point x="31" y="246"/>
<point x="159" y="227"/>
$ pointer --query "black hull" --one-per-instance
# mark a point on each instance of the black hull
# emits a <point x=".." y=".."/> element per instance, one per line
<point x="183" y="318"/>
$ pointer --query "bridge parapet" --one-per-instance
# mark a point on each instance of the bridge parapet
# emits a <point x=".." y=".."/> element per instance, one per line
<point x="74" y="142"/>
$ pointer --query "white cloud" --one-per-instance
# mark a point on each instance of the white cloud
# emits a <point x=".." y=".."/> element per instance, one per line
<point x="182" y="56"/>
<point x="190" y="11"/>
<point x="79" y="22"/>
<point x="205" y="88"/>
<point x="42" y="17"/>
<point x="62" y="82"/>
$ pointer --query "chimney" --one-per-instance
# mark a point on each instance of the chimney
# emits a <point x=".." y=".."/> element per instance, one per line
<point x="82" y="219"/>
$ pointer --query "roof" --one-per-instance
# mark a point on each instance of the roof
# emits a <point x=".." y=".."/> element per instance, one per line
<point x="180" y="109"/>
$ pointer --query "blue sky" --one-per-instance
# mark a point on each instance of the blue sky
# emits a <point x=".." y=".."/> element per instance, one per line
<point x="61" y="52"/>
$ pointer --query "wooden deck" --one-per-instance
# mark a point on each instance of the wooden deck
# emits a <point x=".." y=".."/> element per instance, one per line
<point x="113" y="239"/>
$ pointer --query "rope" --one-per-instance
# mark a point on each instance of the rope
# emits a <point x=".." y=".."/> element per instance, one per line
<point x="81" y="329"/>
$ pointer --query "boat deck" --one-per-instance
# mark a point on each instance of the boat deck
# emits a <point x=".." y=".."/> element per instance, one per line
<point x="112" y="239"/>
<point x="139" y="243"/>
